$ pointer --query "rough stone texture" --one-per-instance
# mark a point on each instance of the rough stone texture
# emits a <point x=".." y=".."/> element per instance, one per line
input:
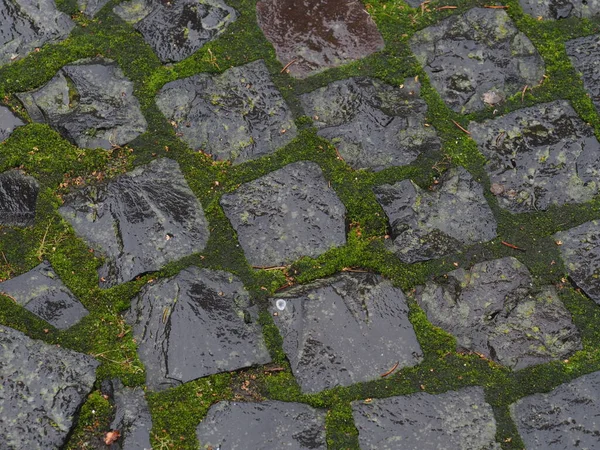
<point x="478" y="52"/>
<point x="580" y="251"/>
<point x="427" y="225"/>
<point x="318" y="35"/>
<point x="456" y="419"/>
<point x="90" y="102"/>
<point x="270" y="424"/>
<point x="540" y="156"/>
<point x="140" y="221"/>
<point x="195" y="324"/>
<point x="344" y="330"/>
<point x="28" y="24"/>
<point x="561" y="9"/>
<point x="41" y="391"/>
<point x="8" y="122"/>
<point x="178" y="28"/>
<point x="18" y="197"/>
<point x="44" y="294"/>
<point x="372" y="124"/>
<point x="238" y="115"/>
<point x="494" y="309"/>
<point x="585" y="56"/>
<point x="132" y="416"/>
<point x="285" y="215"/>
<point x="91" y="7"/>
<point x="563" y="419"/>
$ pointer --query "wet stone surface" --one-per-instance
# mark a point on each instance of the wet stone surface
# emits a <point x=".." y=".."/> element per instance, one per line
<point x="269" y="424"/>
<point x="238" y="115"/>
<point x="195" y="324"/>
<point x="42" y="389"/>
<point x="8" y="122"/>
<point x="427" y="225"/>
<point x="132" y="416"/>
<point x="372" y="124"/>
<point x="561" y="9"/>
<point x="580" y="250"/>
<point x="345" y="329"/>
<point x="43" y="293"/>
<point x="564" y="418"/>
<point x="139" y="221"/>
<point x="421" y="421"/>
<point x="585" y="56"/>
<point x="493" y="309"/>
<point x="90" y="102"/>
<point x="318" y="35"/>
<point x="178" y="28"/>
<point x="285" y="215"/>
<point x="18" y="197"/>
<point x="476" y="58"/>
<point x="540" y="156"/>
<point x="28" y="24"/>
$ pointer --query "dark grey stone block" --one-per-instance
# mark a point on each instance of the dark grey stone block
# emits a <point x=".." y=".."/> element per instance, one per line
<point x="140" y="221"/>
<point x="285" y="215"/>
<point x="266" y="425"/>
<point x="345" y="329"/>
<point x="195" y="324"/>
<point x="18" y="197"/>
<point x="561" y="9"/>
<point x="8" y="122"/>
<point x="585" y="56"/>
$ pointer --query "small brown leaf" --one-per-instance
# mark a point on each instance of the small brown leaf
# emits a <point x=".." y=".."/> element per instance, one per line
<point x="111" y="437"/>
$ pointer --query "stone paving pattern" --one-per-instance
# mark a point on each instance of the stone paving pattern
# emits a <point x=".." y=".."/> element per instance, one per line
<point x="238" y="268"/>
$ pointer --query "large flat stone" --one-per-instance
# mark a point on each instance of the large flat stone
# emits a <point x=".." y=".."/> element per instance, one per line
<point x="139" y="221"/>
<point x="195" y="324"/>
<point x="372" y="124"/>
<point x="540" y="156"/>
<point x="561" y="9"/>
<point x="580" y="251"/>
<point x="43" y="387"/>
<point x="318" y="35"/>
<point x="269" y="424"/>
<point x="176" y="29"/>
<point x="456" y="419"/>
<point x="238" y="115"/>
<point x="29" y="24"/>
<point x="90" y="102"/>
<point x="427" y="225"/>
<point x="563" y="419"/>
<point x="8" y="122"/>
<point x="477" y="55"/>
<point x="18" y="197"/>
<point x="285" y="215"/>
<point x="344" y="330"/>
<point x="585" y="56"/>
<point x="494" y="309"/>
<point x="43" y="293"/>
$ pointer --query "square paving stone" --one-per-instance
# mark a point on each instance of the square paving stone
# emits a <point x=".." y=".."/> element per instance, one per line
<point x="43" y="387"/>
<point x="8" y="122"/>
<point x="561" y="9"/>
<point x="43" y="293"/>
<point x="344" y="330"/>
<point x="427" y="225"/>
<point x="540" y="156"/>
<point x="372" y="124"/>
<point x="90" y="102"/>
<point x="317" y="35"/>
<point x="580" y="250"/>
<point x="266" y="425"/>
<point x="568" y="417"/>
<point x="453" y="420"/>
<point x="237" y="116"/>
<point x="139" y="221"/>
<point x="195" y="324"/>
<point x="28" y="24"/>
<point x="494" y="309"/>
<point x="285" y="215"/>
<point x="585" y="56"/>
<point x="178" y="28"/>
<point x="476" y="58"/>
<point x="18" y="197"/>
